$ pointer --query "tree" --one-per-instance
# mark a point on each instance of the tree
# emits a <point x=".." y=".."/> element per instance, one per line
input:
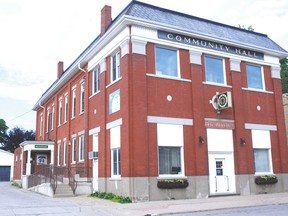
<point x="284" y="75"/>
<point x="16" y="136"/>
<point x="3" y="132"/>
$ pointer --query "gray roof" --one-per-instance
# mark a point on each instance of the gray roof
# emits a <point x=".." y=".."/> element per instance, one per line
<point x="199" y="26"/>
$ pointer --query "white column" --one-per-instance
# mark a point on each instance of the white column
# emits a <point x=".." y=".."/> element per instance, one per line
<point x="28" y="164"/>
<point x="52" y="157"/>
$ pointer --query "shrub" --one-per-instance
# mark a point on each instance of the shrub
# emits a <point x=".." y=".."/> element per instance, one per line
<point x="112" y="197"/>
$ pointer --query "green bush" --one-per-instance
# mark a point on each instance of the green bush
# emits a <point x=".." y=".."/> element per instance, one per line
<point x="15" y="184"/>
<point x="112" y="197"/>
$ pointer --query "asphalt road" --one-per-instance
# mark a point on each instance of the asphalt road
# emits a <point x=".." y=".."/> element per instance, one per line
<point x="268" y="210"/>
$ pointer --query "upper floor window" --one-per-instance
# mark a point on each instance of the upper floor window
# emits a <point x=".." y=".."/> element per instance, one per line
<point x="82" y="99"/>
<point x="60" y="112"/>
<point x="73" y="149"/>
<point x="73" y="103"/>
<point x="41" y="125"/>
<point x="66" y="108"/>
<point x="48" y="120"/>
<point x="52" y="117"/>
<point x="96" y="80"/>
<point x="166" y="62"/>
<point x="214" y="70"/>
<point x="255" y="78"/>
<point x="115" y="72"/>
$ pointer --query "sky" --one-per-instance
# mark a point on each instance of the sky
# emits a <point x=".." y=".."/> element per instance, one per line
<point x="36" y="34"/>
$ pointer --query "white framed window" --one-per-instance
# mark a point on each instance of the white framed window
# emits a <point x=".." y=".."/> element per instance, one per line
<point x="60" y="112"/>
<point x="262" y="152"/>
<point x="115" y="143"/>
<point x="73" y="103"/>
<point x="59" y="153"/>
<point x="82" y="97"/>
<point x="73" y="149"/>
<point x="166" y="62"/>
<point x="41" y="125"/>
<point x="96" y="80"/>
<point x="48" y="120"/>
<point x="170" y="150"/>
<point x="52" y="117"/>
<point x="81" y="148"/>
<point x="255" y="77"/>
<point x="215" y="70"/>
<point x="115" y="67"/>
<point x="64" y="151"/>
<point x="66" y="108"/>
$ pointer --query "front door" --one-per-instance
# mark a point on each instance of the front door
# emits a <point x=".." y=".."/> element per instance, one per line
<point x="221" y="177"/>
<point x="221" y="174"/>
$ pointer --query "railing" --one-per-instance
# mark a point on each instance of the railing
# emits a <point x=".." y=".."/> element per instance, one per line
<point x="54" y="175"/>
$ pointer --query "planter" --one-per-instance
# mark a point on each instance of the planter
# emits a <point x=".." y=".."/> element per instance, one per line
<point x="264" y="180"/>
<point x="171" y="184"/>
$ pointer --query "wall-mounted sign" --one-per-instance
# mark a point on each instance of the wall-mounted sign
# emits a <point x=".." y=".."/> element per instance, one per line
<point x="41" y="146"/>
<point x="114" y="101"/>
<point x="41" y="159"/>
<point x="224" y="100"/>
<point x="210" y="45"/>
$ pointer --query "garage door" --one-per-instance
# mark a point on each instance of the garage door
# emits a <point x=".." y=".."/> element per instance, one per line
<point x="5" y="173"/>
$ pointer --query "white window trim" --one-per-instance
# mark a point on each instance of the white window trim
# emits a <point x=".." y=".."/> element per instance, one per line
<point x="114" y="146"/>
<point x="117" y="72"/>
<point x="66" y="108"/>
<point x="64" y="151"/>
<point x="95" y="71"/>
<point x="41" y="125"/>
<point x="178" y="77"/>
<point x="115" y="177"/>
<point x="52" y="117"/>
<point x="74" y="97"/>
<point x="82" y="98"/>
<point x="73" y="149"/>
<point x="60" y="112"/>
<point x="224" y="71"/>
<point x="58" y="152"/>
<point x="47" y="123"/>
<point x="81" y="142"/>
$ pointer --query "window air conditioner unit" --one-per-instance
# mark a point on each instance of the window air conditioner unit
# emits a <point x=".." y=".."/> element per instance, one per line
<point x="93" y="155"/>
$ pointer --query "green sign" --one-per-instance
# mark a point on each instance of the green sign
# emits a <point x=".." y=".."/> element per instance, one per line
<point x="41" y="146"/>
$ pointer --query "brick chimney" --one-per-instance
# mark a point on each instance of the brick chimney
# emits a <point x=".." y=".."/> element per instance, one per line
<point x="60" y="69"/>
<point x="106" y="18"/>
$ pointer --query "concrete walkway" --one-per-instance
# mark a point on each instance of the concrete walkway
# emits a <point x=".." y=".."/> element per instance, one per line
<point x="180" y="206"/>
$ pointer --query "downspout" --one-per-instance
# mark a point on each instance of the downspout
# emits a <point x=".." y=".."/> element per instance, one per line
<point x="86" y="139"/>
<point x="43" y="131"/>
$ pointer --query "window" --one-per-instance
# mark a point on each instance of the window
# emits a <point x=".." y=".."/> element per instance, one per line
<point x="59" y="154"/>
<point x="73" y="150"/>
<point x="96" y="80"/>
<point x="166" y="62"/>
<point x="115" y="139"/>
<point x="255" y="78"/>
<point x="48" y="120"/>
<point x="116" y="162"/>
<point x="66" y="108"/>
<point x="214" y="70"/>
<point x="73" y="103"/>
<point x="262" y="151"/>
<point x="170" y="150"/>
<point x="60" y="112"/>
<point x="52" y="117"/>
<point x="115" y="73"/>
<point x="169" y="160"/>
<point x="81" y="148"/>
<point x="64" y="151"/>
<point x="82" y="99"/>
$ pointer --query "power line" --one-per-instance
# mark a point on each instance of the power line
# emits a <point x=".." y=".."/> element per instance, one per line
<point x="19" y="116"/>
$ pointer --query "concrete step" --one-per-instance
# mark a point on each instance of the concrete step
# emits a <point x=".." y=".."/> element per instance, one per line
<point x="63" y="190"/>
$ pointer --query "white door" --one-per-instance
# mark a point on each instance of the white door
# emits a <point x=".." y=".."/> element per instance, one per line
<point x="95" y="163"/>
<point x="221" y="176"/>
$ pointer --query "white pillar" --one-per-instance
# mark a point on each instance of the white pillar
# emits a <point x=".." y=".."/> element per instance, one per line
<point x="28" y="164"/>
<point x="52" y="157"/>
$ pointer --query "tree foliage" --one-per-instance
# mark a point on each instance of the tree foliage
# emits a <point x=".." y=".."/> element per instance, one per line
<point x="3" y="132"/>
<point x="16" y="136"/>
<point x="284" y="75"/>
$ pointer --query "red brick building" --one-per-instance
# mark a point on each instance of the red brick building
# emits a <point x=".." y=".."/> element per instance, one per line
<point x="161" y="96"/>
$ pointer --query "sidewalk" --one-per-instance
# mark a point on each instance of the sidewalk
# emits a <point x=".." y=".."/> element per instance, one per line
<point x="179" y="206"/>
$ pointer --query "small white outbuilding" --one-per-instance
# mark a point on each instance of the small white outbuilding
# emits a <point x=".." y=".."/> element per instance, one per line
<point x="6" y="165"/>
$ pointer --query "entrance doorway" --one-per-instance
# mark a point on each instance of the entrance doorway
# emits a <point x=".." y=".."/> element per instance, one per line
<point x="95" y="163"/>
<point x="221" y="161"/>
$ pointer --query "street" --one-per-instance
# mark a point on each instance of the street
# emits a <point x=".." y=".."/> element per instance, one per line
<point x="279" y="210"/>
